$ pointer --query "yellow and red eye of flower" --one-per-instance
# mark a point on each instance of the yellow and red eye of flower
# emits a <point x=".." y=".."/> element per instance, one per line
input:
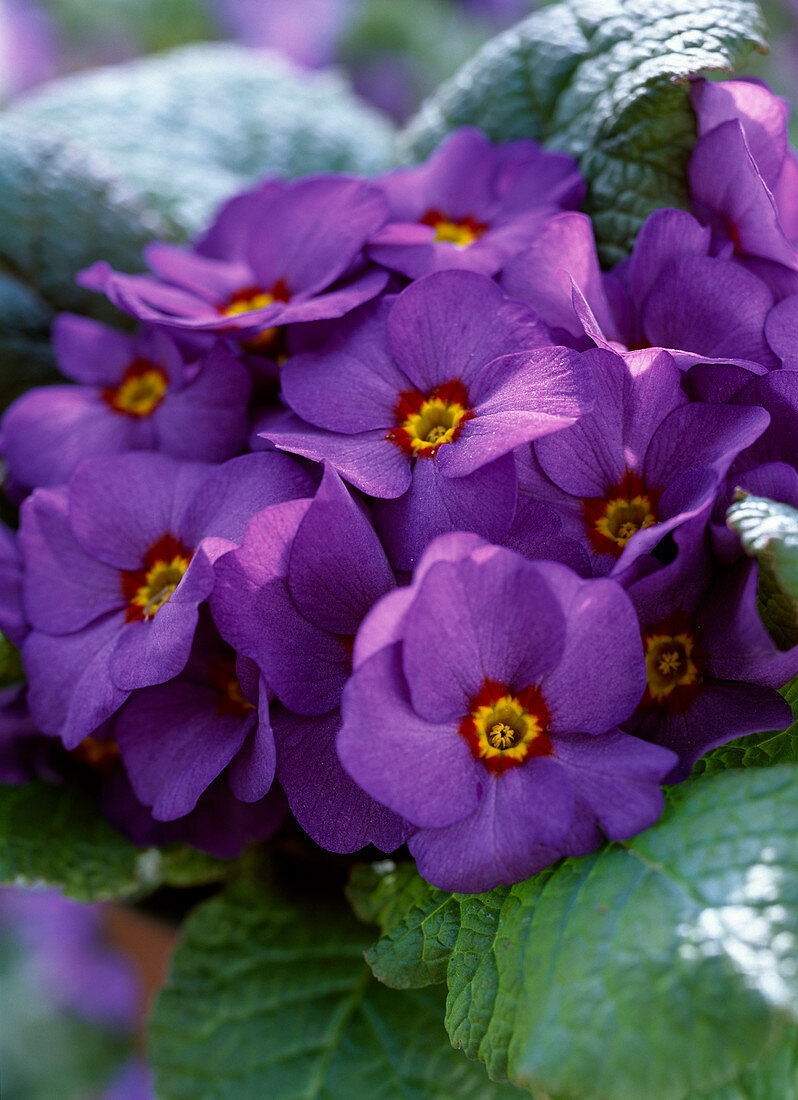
<point x="426" y="421"/>
<point x="673" y="664"/>
<point x="140" y="392"/>
<point x="505" y="728"/>
<point x="230" y="699"/>
<point x="457" y="231"/>
<point x="146" y="590"/>
<point x="625" y="509"/>
<point x="249" y="298"/>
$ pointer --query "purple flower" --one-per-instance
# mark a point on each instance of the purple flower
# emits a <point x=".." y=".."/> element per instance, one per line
<point x="710" y="665"/>
<point x="291" y="598"/>
<point x="741" y="170"/>
<point x="422" y="400"/>
<point x="488" y="716"/>
<point x="176" y="738"/>
<point x="671" y="293"/>
<point x="136" y="394"/>
<point x="472" y="205"/>
<point x="116" y="565"/>
<point x="642" y="462"/>
<point x="294" y="254"/>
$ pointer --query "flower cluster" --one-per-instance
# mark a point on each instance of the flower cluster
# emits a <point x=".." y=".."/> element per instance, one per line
<point x="399" y="513"/>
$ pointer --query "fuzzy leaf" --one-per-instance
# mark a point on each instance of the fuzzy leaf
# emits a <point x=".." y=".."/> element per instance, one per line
<point x="607" y="81"/>
<point x="769" y="532"/>
<point x="271" y="998"/>
<point x="419" y="923"/>
<point x="662" y="969"/>
<point x="184" y="130"/>
<point x="55" y="835"/>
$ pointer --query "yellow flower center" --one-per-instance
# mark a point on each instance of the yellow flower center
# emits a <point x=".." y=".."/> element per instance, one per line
<point x="460" y="233"/>
<point x="140" y="392"/>
<point x="427" y="421"/>
<point x="669" y="663"/>
<point x="148" y="589"/>
<point x="251" y="298"/>
<point x="612" y="520"/>
<point x="505" y="728"/>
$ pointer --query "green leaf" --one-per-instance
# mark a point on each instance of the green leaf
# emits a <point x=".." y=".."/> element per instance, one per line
<point x="757" y="749"/>
<point x="183" y="131"/>
<point x="56" y="835"/>
<point x="180" y="865"/>
<point x="607" y="81"/>
<point x="769" y="533"/>
<point x="657" y="970"/>
<point x="59" y="211"/>
<point x="774" y="1077"/>
<point x="11" y="671"/>
<point x="419" y="923"/>
<point x="271" y="998"/>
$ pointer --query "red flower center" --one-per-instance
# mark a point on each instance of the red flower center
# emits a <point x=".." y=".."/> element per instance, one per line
<point x="425" y="421"/>
<point x="626" y="508"/>
<point x="460" y="232"/>
<point x="146" y="590"/>
<point x="505" y="728"/>
<point x="140" y="392"/>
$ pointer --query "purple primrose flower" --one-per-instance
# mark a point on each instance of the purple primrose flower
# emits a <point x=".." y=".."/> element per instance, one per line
<point x="642" y="462"/>
<point x="710" y="665"/>
<point x="291" y="597"/>
<point x="290" y="253"/>
<point x="488" y="717"/>
<point x="472" y="205"/>
<point x="422" y="400"/>
<point x="115" y="567"/>
<point x="135" y="394"/>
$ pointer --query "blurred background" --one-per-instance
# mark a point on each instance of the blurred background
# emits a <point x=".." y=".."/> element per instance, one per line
<point x="395" y="51"/>
<point x="76" y="981"/>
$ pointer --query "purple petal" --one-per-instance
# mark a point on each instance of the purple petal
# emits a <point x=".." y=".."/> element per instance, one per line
<point x="121" y="505"/>
<point x="304" y="666"/>
<point x="483" y="503"/>
<point x="236" y="491"/>
<point x="721" y="712"/>
<point x="338" y="567"/>
<point x="601" y="675"/>
<point x="252" y="770"/>
<point x="368" y="460"/>
<point x="519" y="398"/>
<point x="70" y="692"/>
<point x="422" y="770"/>
<point x="493" y="617"/>
<point x="731" y="317"/>
<point x="262" y="557"/>
<point x="451" y="324"/>
<point x="618" y="777"/>
<point x="174" y="744"/>
<point x="541" y="275"/>
<point x="516" y="830"/>
<point x="330" y="806"/>
<point x="90" y="352"/>
<point x="48" y="431"/>
<point x="207" y="421"/>
<point x="309" y="234"/>
<point x="63" y="589"/>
